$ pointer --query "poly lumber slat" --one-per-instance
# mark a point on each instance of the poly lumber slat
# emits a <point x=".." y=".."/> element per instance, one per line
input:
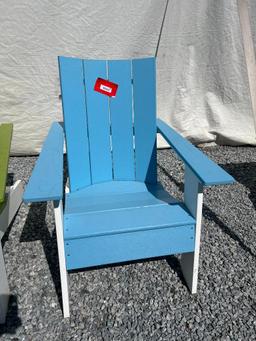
<point x="75" y="120"/>
<point x="123" y="247"/>
<point x="80" y="204"/>
<point x="116" y="187"/>
<point x="111" y="187"/>
<point x="144" y="97"/>
<point x="121" y="120"/>
<point x="98" y="122"/>
<point x="5" y="145"/>
<point x="125" y="220"/>
<point x="46" y="181"/>
<point x="207" y="171"/>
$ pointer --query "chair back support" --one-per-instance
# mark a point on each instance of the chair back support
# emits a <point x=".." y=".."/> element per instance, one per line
<point x="5" y="145"/>
<point x="109" y="138"/>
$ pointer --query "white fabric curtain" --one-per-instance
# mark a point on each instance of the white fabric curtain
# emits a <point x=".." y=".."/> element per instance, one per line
<point x="252" y="11"/>
<point x="202" y="78"/>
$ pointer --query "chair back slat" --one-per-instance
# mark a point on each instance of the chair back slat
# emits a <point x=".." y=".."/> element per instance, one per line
<point x="98" y="122"/>
<point x="122" y="120"/>
<point x="75" y="121"/>
<point x="144" y="98"/>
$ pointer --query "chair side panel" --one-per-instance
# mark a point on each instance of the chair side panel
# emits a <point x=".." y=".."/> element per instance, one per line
<point x="121" y="120"/>
<point x="144" y="92"/>
<point x="75" y="121"/>
<point x="98" y="122"/>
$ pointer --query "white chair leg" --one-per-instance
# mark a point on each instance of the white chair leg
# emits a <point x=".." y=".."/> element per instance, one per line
<point x="4" y="288"/>
<point x="13" y="201"/>
<point x="193" y="198"/>
<point x="58" y="212"/>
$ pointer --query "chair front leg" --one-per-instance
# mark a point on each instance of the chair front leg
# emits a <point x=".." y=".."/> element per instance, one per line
<point x="58" y="212"/>
<point x="193" y="198"/>
<point x="13" y="201"/>
<point x="4" y="288"/>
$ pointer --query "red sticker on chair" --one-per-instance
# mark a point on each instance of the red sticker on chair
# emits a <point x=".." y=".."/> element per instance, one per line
<point x="105" y="87"/>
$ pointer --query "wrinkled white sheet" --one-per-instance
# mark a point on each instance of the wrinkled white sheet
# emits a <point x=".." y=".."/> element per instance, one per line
<point x="252" y="10"/>
<point x="202" y="79"/>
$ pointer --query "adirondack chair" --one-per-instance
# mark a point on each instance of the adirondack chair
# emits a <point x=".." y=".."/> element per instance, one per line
<point x="115" y="210"/>
<point x="10" y="201"/>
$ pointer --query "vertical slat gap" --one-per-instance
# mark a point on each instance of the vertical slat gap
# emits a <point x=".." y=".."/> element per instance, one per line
<point x="87" y="128"/>
<point x="133" y="126"/>
<point x="110" y="126"/>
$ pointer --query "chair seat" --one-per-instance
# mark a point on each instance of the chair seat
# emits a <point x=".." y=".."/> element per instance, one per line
<point x="116" y="195"/>
<point x="124" y="220"/>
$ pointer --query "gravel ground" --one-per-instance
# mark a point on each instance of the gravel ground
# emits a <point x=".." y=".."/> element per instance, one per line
<point x="143" y="300"/>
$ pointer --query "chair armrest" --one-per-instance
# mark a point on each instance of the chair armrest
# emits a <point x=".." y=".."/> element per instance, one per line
<point x="207" y="171"/>
<point x="46" y="181"/>
<point x="5" y="145"/>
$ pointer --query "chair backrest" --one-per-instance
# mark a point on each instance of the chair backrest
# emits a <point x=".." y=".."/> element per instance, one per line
<point x="109" y="138"/>
<point x="5" y="145"/>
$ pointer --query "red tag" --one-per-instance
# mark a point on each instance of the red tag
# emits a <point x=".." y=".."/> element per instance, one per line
<point x="105" y="87"/>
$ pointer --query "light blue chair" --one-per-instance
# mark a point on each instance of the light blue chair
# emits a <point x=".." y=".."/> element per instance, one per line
<point x="115" y="210"/>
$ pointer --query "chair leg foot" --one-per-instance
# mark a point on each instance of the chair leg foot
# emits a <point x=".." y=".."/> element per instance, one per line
<point x="65" y="294"/>
<point x="189" y="266"/>
<point x="4" y="289"/>
<point x="58" y="212"/>
<point x="193" y="197"/>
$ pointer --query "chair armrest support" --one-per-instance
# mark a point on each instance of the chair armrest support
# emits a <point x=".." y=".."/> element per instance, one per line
<point x="207" y="171"/>
<point x="46" y="181"/>
<point x="5" y="145"/>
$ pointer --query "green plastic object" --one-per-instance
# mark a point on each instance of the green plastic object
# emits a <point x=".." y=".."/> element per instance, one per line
<point x="5" y="145"/>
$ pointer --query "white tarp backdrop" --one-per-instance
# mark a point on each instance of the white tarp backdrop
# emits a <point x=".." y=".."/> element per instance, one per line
<point x="252" y="11"/>
<point x="202" y="78"/>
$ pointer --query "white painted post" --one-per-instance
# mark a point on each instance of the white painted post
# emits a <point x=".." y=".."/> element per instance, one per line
<point x="193" y="198"/>
<point x="248" y="50"/>
<point x="4" y="288"/>
<point x="13" y="201"/>
<point x="58" y="212"/>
